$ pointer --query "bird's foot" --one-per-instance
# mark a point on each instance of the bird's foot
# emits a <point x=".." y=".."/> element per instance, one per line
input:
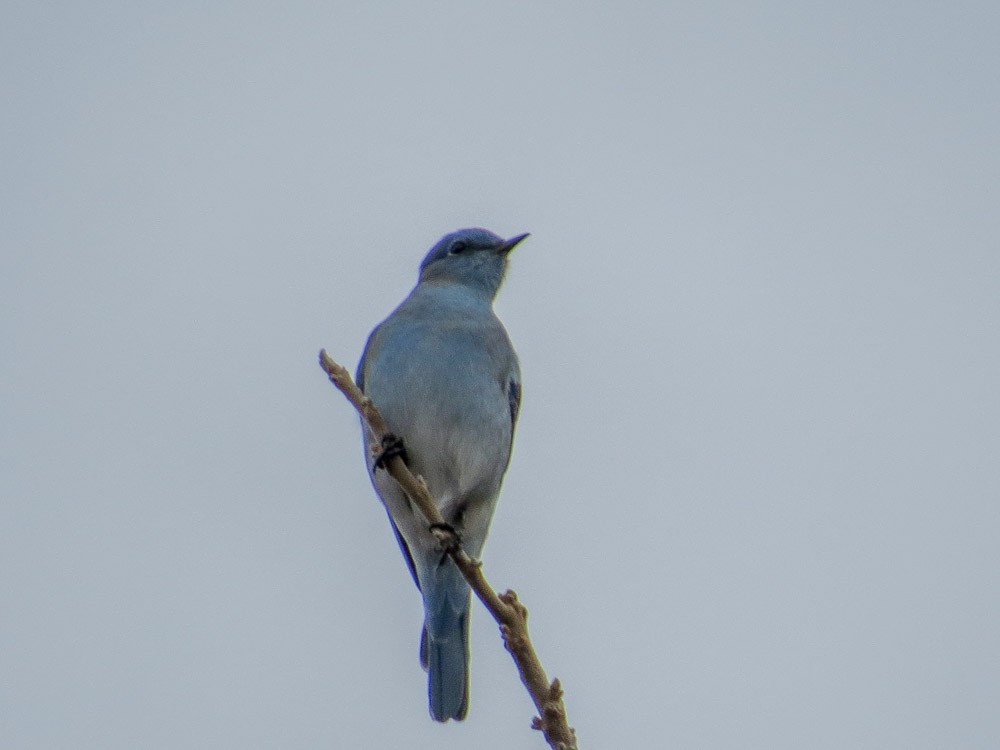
<point x="446" y="536"/>
<point x="391" y="445"/>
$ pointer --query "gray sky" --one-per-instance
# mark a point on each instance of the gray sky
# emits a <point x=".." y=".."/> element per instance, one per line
<point x="754" y="495"/>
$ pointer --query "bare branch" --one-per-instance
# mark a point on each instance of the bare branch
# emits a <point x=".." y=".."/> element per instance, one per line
<point x="509" y="613"/>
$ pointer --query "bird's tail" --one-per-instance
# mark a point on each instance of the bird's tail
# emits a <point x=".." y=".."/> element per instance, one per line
<point x="444" y="644"/>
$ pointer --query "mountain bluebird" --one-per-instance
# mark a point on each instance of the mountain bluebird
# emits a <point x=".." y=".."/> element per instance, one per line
<point x="445" y="377"/>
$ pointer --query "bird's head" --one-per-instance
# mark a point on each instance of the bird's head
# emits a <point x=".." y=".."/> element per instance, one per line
<point x="472" y="257"/>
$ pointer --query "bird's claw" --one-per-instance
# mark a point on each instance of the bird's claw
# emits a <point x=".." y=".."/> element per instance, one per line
<point x="446" y="535"/>
<point x="391" y="446"/>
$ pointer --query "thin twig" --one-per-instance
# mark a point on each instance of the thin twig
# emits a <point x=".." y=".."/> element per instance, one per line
<point x="510" y="614"/>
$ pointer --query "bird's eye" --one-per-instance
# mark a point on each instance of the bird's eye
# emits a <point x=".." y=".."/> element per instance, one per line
<point x="458" y="247"/>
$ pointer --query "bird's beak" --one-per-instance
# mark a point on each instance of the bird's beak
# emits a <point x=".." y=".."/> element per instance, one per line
<point x="512" y="243"/>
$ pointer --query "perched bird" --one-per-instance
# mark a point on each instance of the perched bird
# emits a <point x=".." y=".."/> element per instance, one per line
<point x="443" y="373"/>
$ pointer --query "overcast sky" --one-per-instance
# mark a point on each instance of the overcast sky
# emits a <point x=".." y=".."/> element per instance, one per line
<point x="755" y="494"/>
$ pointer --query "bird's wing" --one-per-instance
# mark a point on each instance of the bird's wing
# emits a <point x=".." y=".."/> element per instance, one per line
<point x="407" y="555"/>
<point x="359" y="376"/>
<point x="514" y="398"/>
